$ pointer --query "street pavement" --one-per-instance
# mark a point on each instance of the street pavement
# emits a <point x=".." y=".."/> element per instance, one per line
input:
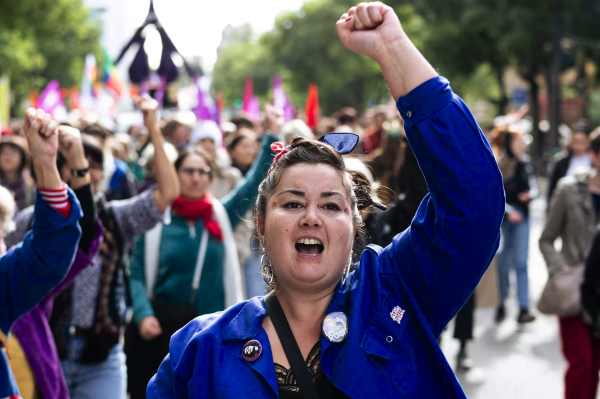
<point x="514" y="362"/>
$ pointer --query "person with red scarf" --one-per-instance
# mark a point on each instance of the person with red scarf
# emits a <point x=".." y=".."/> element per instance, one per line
<point x="188" y="266"/>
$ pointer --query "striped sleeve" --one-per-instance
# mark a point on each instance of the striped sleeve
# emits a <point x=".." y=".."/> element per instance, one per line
<point x="57" y="199"/>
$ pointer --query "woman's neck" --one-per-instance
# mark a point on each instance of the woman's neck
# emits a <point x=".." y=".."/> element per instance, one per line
<point x="10" y="176"/>
<point x="304" y="312"/>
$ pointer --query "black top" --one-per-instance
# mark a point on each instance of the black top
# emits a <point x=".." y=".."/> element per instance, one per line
<point x="560" y="170"/>
<point x="596" y="204"/>
<point x="286" y="382"/>
<point x="518" y="183"/>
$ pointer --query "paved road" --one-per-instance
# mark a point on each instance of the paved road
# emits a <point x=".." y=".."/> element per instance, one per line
<point x="515" y="363"/>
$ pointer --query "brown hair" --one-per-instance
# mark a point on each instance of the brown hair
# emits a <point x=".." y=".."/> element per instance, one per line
<point x="170" y="127"/>
<point x="201" y="153"/>
<point x="303" y="151"/>
<point x="98" y="130"/>
<point x="595" y="141"/>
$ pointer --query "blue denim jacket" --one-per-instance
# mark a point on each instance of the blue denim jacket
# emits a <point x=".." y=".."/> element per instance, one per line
<point x="429" y="271"/>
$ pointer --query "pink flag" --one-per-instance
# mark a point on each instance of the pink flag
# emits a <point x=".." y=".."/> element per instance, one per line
<point x="248" y="94"/>
<point x="253" y="110"/>
<point x="50" y="99"/>
<point x="281" y="100"/>
<point x="207" y="108"/>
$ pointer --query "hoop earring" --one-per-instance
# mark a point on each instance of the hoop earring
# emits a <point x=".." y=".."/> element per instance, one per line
<point x="266" y="269"/>
<point x="346" y="271"/>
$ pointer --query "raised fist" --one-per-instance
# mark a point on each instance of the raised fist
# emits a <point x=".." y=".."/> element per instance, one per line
<point x="148" y="106"/>
<point x="369" y="28"/>
<point x="71" y="146"/>
<point x="42" y="135"/>
<point x="273" y="119"/>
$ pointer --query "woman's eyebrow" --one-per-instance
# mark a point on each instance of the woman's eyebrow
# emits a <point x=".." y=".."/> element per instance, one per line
<point x="327" y="194"/>
<point x="294" y="192"/>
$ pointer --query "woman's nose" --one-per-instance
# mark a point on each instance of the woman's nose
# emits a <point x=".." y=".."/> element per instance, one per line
<point x="311" y="217"/>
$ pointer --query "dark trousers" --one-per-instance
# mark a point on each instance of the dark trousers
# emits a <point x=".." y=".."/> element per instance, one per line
<point x="464" y="322"/>
<point x="144" y="357"/>
<point x="582" y="352"/>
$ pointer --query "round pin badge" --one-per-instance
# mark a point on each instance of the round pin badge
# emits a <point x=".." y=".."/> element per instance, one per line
<point x="251" y="350"/>
<point x="335" y="327"/>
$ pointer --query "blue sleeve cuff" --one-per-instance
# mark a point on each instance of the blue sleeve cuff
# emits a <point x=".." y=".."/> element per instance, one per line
<point x="48" y="219"/>
<point x="424" y="101"/>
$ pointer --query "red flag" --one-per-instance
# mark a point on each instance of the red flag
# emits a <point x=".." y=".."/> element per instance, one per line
<point x="312" y="107"/>
<point x="74" y="100"/>
<point x="220" y="102"/>
<point x="33" y="98"/>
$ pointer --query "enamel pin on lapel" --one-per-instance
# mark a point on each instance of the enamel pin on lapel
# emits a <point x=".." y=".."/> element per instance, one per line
<point x="252" y="350"/>
<point x="335" y="327"/>
<point x="397" y="314"/>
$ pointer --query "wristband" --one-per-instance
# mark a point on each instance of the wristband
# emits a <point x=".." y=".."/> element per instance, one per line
<point x="80" y="172"/>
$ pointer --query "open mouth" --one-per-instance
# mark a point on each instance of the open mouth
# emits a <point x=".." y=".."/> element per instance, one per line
<point x="309" y="246"/>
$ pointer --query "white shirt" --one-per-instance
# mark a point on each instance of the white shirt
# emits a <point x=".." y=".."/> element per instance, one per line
<point x="579" y="164"/>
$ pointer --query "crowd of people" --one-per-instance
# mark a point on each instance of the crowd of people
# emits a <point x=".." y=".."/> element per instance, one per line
<point x="123" y="249"/>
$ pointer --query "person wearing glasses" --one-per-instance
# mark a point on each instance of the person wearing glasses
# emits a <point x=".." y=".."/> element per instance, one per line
<point x="189" y="266"/>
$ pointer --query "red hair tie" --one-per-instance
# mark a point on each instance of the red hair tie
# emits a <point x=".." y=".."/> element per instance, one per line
<point x="351" y="180"/>
<point x="280" y="150"/>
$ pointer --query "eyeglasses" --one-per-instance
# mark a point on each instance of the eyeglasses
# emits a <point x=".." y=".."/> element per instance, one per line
<point x="202" y="171"/>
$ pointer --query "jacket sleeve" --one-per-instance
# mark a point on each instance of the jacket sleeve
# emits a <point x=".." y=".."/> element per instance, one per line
<point x="137" y="283"/>
<point x="163" y="385"/>
<point x="177" y="369"/>
<point x="23" y="223"/>
<point x="82" y="260"/>
<point x="241" y="199"/>
<point x="455" y="233"/>
<point x="31" y="269"/>
<point x="555" y="221"/>
<point x="136" y="215"/>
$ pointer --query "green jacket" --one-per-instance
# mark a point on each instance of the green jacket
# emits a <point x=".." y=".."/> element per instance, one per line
<point x="179" y="248"/>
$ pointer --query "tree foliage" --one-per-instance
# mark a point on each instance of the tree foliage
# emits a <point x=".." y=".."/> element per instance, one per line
<point x="306" y="45"/>
<point x="243" y="57"/>
<point x="42" y="40"/>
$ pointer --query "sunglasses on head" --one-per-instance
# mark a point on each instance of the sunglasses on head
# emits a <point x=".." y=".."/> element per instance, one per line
<point x="202" y="171"/>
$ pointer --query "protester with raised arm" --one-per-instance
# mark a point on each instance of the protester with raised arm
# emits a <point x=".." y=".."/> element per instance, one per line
<point x="93" y="308"/>
<point x="29" y="271"/>
<point x="328" y="330"/>
<point x="36" y="363"/>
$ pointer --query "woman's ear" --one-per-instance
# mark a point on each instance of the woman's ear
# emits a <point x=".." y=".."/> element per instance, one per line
<point x="260" y="223"/>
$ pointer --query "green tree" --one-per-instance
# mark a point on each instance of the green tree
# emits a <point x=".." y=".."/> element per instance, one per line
<point x="242" y="57"/>
<point x="42" y="40"/>
<point x="462" y="35"/>
<point x="305" y="48"/>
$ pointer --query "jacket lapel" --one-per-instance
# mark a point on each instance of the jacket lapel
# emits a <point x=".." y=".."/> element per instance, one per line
<point x="247" y="325"/>
<point x="264" y="365"/>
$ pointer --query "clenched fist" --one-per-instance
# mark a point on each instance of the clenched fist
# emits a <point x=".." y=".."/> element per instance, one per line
<point x="374" y="30"/>
<point x="42" y="135"/>
<point x="369" y="28"/>
<point x="71" y="147"/>
<point x="42" y="138"/>
<point x="149" y="107"/>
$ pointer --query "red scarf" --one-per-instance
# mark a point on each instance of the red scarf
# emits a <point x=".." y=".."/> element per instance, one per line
<point x="196" y="209"/>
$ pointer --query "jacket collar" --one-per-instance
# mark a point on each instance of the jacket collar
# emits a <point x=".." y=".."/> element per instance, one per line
<point x="248" y="322"/>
